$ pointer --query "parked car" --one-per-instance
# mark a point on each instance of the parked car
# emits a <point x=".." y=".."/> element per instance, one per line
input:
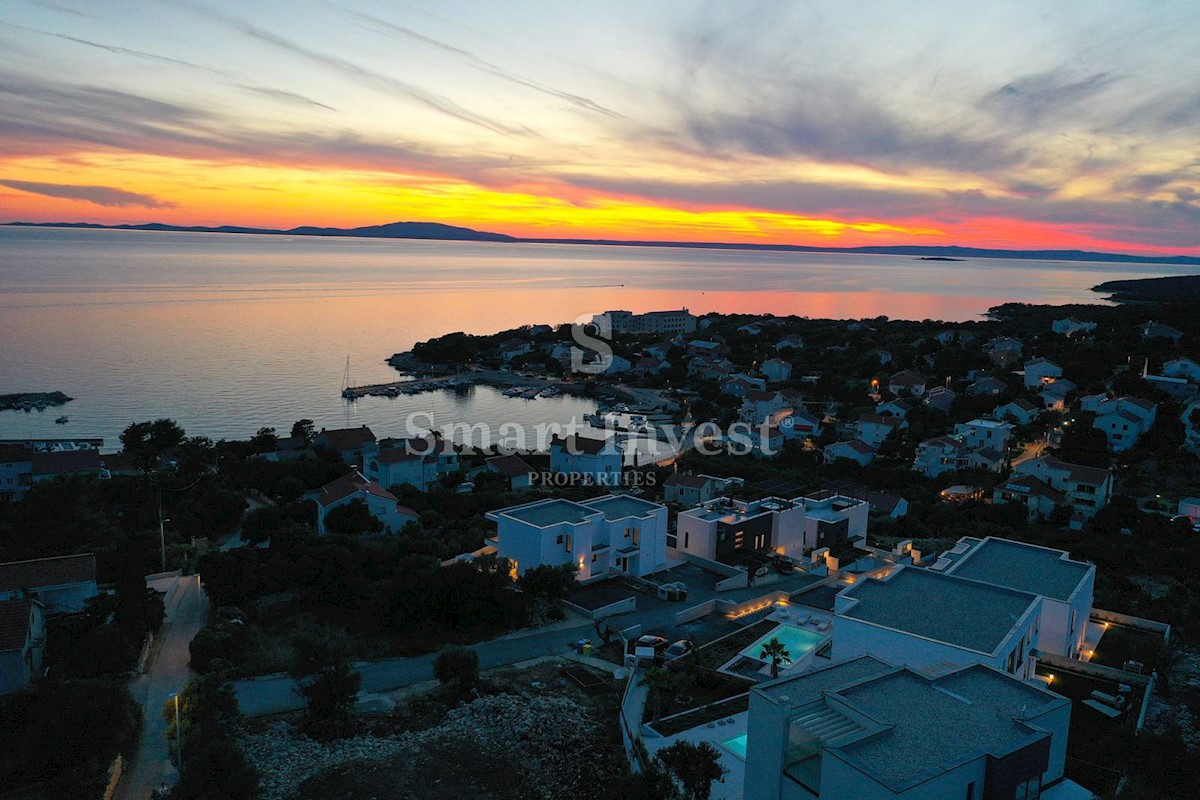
<point x="657" y="642"/>
<point x="678" y="650"/>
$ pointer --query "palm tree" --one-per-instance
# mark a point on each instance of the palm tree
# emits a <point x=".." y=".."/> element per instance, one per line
<point x="658" y="681"/>
<point x="774" y="650"/>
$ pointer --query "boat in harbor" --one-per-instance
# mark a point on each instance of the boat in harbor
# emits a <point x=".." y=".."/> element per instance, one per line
<point x="62" y="421"/>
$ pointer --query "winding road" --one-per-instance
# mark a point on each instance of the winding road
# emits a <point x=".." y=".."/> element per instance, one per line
<point x="168" y="671"/>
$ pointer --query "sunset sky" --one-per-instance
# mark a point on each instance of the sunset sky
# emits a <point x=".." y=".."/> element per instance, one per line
<point x="1006" y="124"/>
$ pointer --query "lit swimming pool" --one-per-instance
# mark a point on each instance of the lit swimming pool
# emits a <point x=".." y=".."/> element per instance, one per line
<point x="737" y="746"/>
<point x="798" y="641"/>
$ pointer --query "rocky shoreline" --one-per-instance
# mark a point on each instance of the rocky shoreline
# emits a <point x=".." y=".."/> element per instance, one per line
<point x="29" y="400"/>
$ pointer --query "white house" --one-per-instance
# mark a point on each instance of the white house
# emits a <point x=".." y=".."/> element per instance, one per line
<point x="855" y="450"/>
<point x="400" y="466"/>
<point x="943" y="454"/>
<point x="740" y="384"/>
<point x="513" y="469"/>
<point x="1182" y="368"/>
<point x="941" y="398"/>
<point x="1123" y="420"/>
<point x="987" y="385"/>
<point x="985" y="433"/>
<point x="687" y="489"/>
<point x="1085" y="489"/>
<point x="1065" y="586"/>
<point x="758" y="406"/>
<point x="874" y="429"/>
<point x="1054" y="395"/>
<point x="381" y="503"/>
<point x="1041" y="371"/>
<point x="721" y="529"/>
<point x="1020" y="411"/>
<point x="672" y="321"/>
<point x="62" y="584"/>
<point x="861" y="729"/>
<point x="614" y="533"/>
<point x="22" y="643"/>
<point x="930" y="620"/>
<point x="596" y="460"/>
<point x="511" y="348"/>
<point x="777" y="370"/>
<point x="651" y="365"/>
<point x="350" y="443"/>
<point x="797" y="423"/>
<point x="1070" y="326"/>
<point x="1158" y="330"/>
<point x="16" y="472"/>
<point x="792" y="341"/>
<point x="1003" y="350"/>
<point x="907" y="382"/>
<point x="894" y="408"/>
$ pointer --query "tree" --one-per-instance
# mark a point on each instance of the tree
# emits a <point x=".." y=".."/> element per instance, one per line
<point x="550" y="583"/>
<point x="775" y="651"/>
<point x="352" y="518"/>
<point x="266" y="440"/>
<point x="661" y="681"/>
<point x="147" y="441"/>
<point x="304" y="429"/>
<point x="457" y="668"/>
<point x="696" y="766"/>
<point x="330" y="686"/>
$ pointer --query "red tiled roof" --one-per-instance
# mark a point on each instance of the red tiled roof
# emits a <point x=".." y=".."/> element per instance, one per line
<point x="579" y="444"/>
<point x="42" y="572"/>
<point x="686" y="481"/>
<point x="66" y="462"/>
<point x="346" y="438"/>
<point x="351" y="484"/>
<point x="876" y="419"/>
<point x="1078" y="472"/>
<point x="1036" y="486"/>
<point x="759" y="396"/>
<point x="510" y="466"/>
<point x="14" y="623"/>
<point x="907" y="378"/>
<point x="15" y="452"/>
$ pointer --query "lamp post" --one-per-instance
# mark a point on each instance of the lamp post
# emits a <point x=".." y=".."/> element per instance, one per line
<point x="162" y="537"/>
<point x="178" y="733"/>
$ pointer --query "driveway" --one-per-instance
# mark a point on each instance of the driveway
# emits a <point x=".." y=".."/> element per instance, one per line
<point x="257" y="697"/>
<point x="187" y="611"/>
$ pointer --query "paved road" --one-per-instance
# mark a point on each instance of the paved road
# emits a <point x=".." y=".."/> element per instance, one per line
<point x="277" y="695"/>
<point x="187" y="610"/>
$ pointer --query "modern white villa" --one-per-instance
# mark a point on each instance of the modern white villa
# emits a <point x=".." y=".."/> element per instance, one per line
<point x="933" y="621"/>
<point x="1041" y="371"/>
<point x="861" y="729"/>
<point x="614" y="533"/>
<point x="722" y="529"/>
<point x="985" y="433"/>
<point x="1123" y="420"/>
<point x="1065" y="586"/>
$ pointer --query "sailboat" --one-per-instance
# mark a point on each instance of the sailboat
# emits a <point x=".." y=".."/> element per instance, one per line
<point x="348" y="392"/>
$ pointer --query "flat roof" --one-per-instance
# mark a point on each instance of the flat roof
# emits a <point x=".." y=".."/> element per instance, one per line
<point x="1024" y="567"/>
<point x="796" y="690"/>
<point x="932" y="725"/>
<point x="621" y="506"/>
<point x="549" y="512"/>
<point x="951" y="609"/>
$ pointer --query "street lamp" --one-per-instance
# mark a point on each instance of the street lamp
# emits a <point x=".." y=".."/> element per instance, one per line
<point x="178" y="733"/>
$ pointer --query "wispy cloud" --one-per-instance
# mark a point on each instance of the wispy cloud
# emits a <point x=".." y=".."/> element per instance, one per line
<point x="112" y="48"/>
<point x="380" y="81"/>
<point x="286" y="96"/>
<point x="99" y="195"/>
<point x="380" y="25"/>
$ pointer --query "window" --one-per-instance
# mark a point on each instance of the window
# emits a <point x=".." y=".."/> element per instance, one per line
<point x="971" y="790"/>
<point x="672" y="540"/>
<point x="558" y="539"/>
<point x="1030" y="789"/>
<point x="686" y="535"/>
<point x="593" y="558"/>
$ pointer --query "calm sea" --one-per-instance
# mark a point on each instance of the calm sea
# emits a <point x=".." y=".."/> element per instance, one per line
<point x="228" y="333"/>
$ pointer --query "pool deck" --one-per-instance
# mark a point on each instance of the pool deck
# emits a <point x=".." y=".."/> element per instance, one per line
<point x="716" y="735"/>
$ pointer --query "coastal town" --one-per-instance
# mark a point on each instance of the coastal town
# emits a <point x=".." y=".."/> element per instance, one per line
<point x="870" y="558"/>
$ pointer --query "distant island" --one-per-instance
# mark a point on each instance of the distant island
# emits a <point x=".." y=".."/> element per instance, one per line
<point x="1175" y="289"/>
<point x="440" y="232"/>
<point x="29" y="400"/>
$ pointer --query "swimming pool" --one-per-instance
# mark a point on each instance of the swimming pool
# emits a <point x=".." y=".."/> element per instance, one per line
<point x="798" y="641"/>
<point x="737" y="746"/>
